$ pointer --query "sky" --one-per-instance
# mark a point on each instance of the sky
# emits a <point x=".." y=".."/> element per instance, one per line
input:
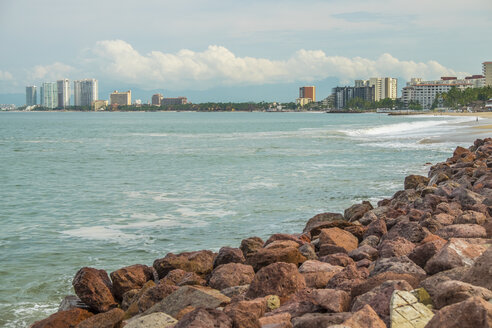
<point x="238" y="50"/>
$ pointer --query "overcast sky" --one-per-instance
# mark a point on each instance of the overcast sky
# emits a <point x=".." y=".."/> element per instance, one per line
<point x="198" y="44"/>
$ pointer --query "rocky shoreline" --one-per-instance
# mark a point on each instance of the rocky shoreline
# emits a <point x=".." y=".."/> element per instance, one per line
<point x="419" y="259"/>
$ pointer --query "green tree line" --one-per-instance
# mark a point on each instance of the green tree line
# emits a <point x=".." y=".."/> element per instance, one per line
<point x="456" y="98"/>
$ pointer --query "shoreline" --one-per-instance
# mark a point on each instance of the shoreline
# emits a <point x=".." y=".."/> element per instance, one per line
<point x="359" y="266"/>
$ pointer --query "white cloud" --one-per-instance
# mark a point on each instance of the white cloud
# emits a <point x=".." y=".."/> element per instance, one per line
<point x="5" y="76"/>
<point x="218" y="66"/>
<point x="50" y="72"/>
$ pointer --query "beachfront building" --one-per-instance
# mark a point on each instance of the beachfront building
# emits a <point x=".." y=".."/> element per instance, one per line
<point x="174" y="101"/>
<point x="303" y="101"/>
<point x="63" y="89"/>
<point x="487" y="72"/>
<point x="100" y="104"/>
<point x="384" y="87"/>
<point x="121" y="98"/>
<point x="85" y="92"/>
<point x="31" y="95"/>
<point x="156" y="99"/>
<point x="49" y="95"/>
<point x="308" y="92"/>
<point x="425" y="92"/>
<point x="342" y="95"/>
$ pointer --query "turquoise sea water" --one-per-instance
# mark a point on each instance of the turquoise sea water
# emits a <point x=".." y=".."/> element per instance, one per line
<point x="113" y="189"/>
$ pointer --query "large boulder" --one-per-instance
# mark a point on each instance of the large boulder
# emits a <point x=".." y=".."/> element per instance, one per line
<point x="453" y="291"/>
<point x="310" y="320"/>
<point x="282" y="279"/>
<point x="415" y="181"/>
<point x="153" y="295"/>
<point x="315" y="300"/>
<point x="180" y="277"/>
<point x="130" y="277"/>
<point x="481" y="271"/>
<point x="338" y="259"/>
<point x="251" y="245"/>
<point x="425" y="251"/>
<point x="400" y="264"/>
<point x="317" y="273"/>
<point x="110" y="319"/>
<point x="246" y="314"/>
<point x="69" y="318"/>
<point x="231" y="274"/>
<point x="356" y="211"/>
<point x="153" y="320"/>
<point x="462" y="231"/>
<point x="281" y="320"/>
<point x="340" y="240"/>
<point x="364" y="252"/>
<point x="471" y="217"/>
<point x="205" y="318"/>
<point x="455" y="253"/>
<point x="412" y="231"/>
<point x="267" y="256"/>
<point x="321" y="218"/>
<point x="379" y="298"/>
<point x="377" y="280"/>
<point x="364" y="318"/>
<point x="346" y="279"/>
<point x="94" y="288"/>
<point x="284" y="236"/>
<point x="200" y="262"/>
<point x="229" y="255"/>
<point x="398" y="246"/>
<point x="474" y="312"/>
<point x="195" y="296"/>
<point x="376" y="228"/>
<point x="467" y="198"/>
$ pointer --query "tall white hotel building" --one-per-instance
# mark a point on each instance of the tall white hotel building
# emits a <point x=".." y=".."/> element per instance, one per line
<point x="63" y="90"/>
<point x="85" y="92"/>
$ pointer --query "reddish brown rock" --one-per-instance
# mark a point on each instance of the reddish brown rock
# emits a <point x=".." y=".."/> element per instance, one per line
<point x="444" y="219"/>
<point x="316" y="230"/>
<point x="282" y="244"/>
<point x="409" y="230"/>
<point x="154" y="295"/>
<point x="69" y="318"/>
<point x="321" y="218"/>
<point x="453" y="291"/>
<point x="338" y="237"/>
<point x="400" y="264"/>
<point x="94" y="288"/>
<point x="422" y="253"/>
<point x="467" y="197"/>
<point x="430" y="283"/>
<point x="395" y="247"/>
<point x="379" y="298"/>
<point x="130" y="277"/>
<point x="229" y="255"/>
<point x="231" y="274"/>
<point x="364" y="318"/>
<point x="377" y="280"/>
<point x="415" y="181"/>
<point x="471" y="313"/>
<point x="338" y="259"/>
<point x="200" y="262"/>
<point x="281" y="320"/>
<point x="471" y="217"/>
<point x="481" y="271"/>
<point x="357" y="230"/>
<point x="364" y="252"/>
<point x="308" y="251"/>
<point x="267" y="256"/>
<point x="461" y="155"/>
<point x="311" y="320"/>
<point x="251" y="245"/>
<point x="205" y="318"/>
<point x="246" y="314"/>
<point x="317" y="273"/>
<point x="110" y="319"/>
<point x="282" y="279"/>
<point x="346" y="279"/>
<point x="455" y="253"/>
<point x="284" y="236"/>
<point x="356" y="211"/>
<point x="376" y="228"/>
<point x="372" y="241"/>
<point x="462" y="231"/>
<point x="180" y="277"/>
<point x="315" y="300"/>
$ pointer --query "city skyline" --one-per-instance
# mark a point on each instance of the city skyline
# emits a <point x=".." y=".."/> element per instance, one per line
<point x="240" y="47"/>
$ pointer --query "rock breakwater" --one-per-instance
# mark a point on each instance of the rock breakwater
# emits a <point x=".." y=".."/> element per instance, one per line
<point x="419" y="259"/>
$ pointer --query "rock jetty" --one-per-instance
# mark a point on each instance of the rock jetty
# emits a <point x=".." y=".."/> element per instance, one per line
<point x="419" y="259"/>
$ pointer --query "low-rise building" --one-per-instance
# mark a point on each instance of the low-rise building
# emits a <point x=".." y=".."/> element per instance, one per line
<point x="303" y="101"/>
<point x="100" y="104"/>
<point x="174" y="101"/>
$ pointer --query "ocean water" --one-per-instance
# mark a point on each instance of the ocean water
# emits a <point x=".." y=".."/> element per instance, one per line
<point x="108" y="190"/>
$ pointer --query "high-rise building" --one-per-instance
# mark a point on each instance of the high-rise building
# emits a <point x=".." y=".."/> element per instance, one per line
<point x="49" y="95"/>
<point x="121" y="98"/>
<point x="63" y="87"/>
<point x="85" y="92"/>
<point x="156" y="99"/>
<point x="342" y="95"/>
<point x="487" y="72"/>
<point x="31" y="95"/>
<point x="384" y="87"/>
<point x="308" y="92"/>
